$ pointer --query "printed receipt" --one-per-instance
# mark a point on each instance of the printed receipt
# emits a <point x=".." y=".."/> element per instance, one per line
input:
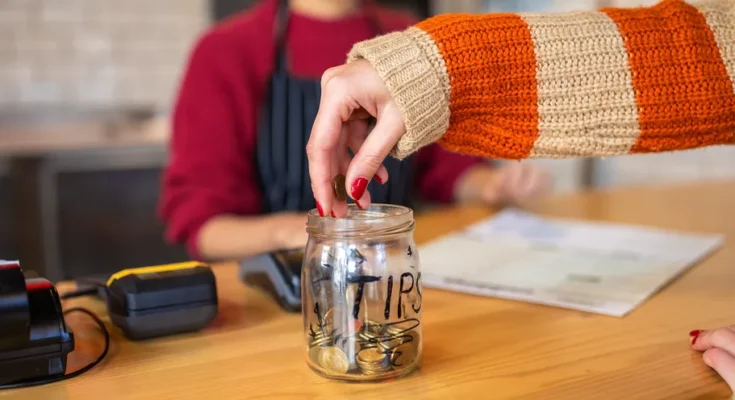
<point x="589" y="266"/>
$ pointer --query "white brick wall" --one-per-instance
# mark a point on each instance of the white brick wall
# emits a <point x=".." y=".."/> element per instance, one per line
<point x="95" y="52"/>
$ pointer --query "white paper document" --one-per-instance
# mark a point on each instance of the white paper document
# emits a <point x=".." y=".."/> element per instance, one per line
<point x="590" y="266"/>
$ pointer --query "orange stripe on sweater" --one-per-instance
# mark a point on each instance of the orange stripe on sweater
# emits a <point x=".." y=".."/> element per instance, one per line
<point x="492" y="72"/>
<point x="680" y="81"/>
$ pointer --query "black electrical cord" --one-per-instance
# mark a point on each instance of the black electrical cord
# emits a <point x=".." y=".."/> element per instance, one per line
<point x="91" y="287"/>
<point x="90" y="291"/>
<point x="36" y="382"/>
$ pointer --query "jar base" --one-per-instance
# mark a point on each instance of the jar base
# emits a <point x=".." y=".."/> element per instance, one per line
<point x="358" y="377"/>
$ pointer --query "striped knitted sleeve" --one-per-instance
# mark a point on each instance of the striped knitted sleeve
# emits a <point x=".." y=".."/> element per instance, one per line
<point x="607" y="82"/>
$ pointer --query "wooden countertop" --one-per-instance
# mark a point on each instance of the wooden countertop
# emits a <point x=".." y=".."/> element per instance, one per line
<point x="474" y="347"/>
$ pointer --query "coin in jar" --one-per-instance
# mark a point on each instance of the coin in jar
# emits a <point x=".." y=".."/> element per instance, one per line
<point x="371" y="356"/>
<point x="372" y="361"/>
<point x="338" y="186"/>
<point x="321" y="341"/>
<point x="315" y="354"/>
<point x="334" y="360"/>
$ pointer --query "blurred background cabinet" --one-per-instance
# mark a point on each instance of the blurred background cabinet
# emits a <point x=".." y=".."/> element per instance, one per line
<point x="7" y="245"/>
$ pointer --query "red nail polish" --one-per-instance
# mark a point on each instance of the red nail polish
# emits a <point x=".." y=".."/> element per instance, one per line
<point x="377" y="178"/>
<point x="694" y="335"/>
<point x="333" y="215"/>
<point x="320" y="209"/>
<point x="358" y="205"/>
<point x="358" y="188"/>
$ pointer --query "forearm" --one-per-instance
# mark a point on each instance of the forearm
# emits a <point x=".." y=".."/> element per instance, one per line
<point x="600" y="83"/>
<point x="228" y="237"/>
<point x="472" y="185"/>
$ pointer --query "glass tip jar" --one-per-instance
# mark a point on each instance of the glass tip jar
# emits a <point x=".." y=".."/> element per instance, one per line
<point x="361" y="294"/>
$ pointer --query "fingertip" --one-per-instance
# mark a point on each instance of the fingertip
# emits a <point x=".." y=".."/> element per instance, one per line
<point x="358" y="188"/>
<point x="364" y="202"/>
<point x="694" y="335"/>
<point x="340" y="209"/>
<point x="382" y="176"/>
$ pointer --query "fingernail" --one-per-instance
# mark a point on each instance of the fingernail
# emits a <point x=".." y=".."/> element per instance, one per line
<point x="333" y="215"/>
<point x="377" y="178"/>
<point x="320" y="209"/>
<point x="358" y="188"/>
<point x="358" y="205"/>
<point x="693" y="335"/>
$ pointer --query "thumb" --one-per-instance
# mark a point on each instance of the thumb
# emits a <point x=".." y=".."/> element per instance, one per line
<point x="369" y="158"/>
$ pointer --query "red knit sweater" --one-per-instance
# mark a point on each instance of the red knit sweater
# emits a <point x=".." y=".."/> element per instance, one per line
<point x="212" y="169"/>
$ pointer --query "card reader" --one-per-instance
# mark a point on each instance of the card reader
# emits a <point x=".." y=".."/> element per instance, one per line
<point x="162" y="300"/>
<point x="278" y="274"/>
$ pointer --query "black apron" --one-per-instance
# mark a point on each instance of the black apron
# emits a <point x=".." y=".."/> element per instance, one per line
<point x="289" y="110"/>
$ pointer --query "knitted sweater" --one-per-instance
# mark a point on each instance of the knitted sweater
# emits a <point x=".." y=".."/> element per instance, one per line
<point x="608" y="82"/>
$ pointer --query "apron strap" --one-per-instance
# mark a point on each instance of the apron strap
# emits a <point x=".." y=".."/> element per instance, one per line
<point x="279" y="33"/>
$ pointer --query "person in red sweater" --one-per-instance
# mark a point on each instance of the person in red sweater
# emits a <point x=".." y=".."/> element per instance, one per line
<point x="237" y="181"/>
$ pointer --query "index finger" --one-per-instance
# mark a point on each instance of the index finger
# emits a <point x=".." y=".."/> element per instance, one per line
<point x="321" y="150"/>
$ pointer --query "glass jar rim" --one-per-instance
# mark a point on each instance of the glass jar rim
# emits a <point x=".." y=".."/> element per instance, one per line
<point x="376" y="220"/>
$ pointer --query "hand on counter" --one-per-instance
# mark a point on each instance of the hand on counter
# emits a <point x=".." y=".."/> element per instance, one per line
<point x="515" y="183"/>
<point x="718" y="346"/>
<point x="227" y="237"/>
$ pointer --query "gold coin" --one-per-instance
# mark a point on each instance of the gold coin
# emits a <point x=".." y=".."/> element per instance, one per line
<point x="334" y="360"/>
<point x="338" y="186"/>
<point x="321" y="341"/>
<point x="371" y="356"/>
<point x="372" y="361"/>
<point x="315" y="354"/>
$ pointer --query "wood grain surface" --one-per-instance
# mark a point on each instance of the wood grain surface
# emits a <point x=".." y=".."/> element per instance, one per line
<point x="474" y="347"/>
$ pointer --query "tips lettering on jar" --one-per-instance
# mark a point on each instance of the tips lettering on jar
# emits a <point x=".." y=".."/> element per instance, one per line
<point x="358" y="188"/>
<point x="320" y="209"/>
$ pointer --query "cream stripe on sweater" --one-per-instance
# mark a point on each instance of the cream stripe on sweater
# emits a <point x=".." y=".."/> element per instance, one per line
<point x="592" y="88"/>
<point x="719" y="16"/>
